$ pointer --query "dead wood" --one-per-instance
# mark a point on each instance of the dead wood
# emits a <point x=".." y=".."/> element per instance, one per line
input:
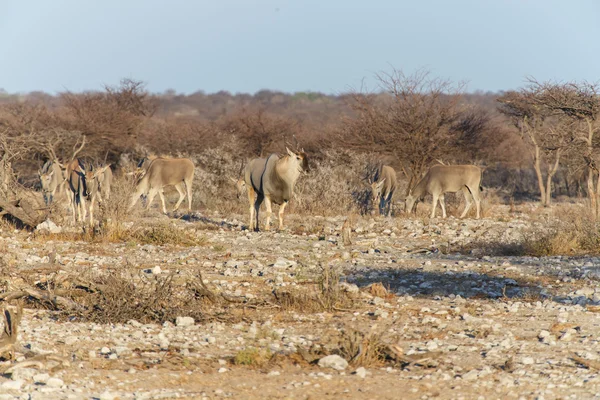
<point x="22" y="211"/>
<point x="11" y="328"/>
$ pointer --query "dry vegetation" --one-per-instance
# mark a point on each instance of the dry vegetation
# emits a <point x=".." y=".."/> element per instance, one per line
<point x="535" y="144"/>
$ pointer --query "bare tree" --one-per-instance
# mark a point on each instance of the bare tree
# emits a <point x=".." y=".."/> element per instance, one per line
<point x="546" y="134"/>
<point x="260" y="131"/>
<point x="412" y="121"/>
<point x="580" y="102"/>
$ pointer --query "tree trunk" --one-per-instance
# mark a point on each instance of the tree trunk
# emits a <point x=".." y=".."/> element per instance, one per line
<point x="551" y="173"/>
<point x="538" y="173"/>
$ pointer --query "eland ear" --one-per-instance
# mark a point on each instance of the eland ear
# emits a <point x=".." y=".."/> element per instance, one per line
<point x="232" y="180"/>
<point x="291" y="153"/>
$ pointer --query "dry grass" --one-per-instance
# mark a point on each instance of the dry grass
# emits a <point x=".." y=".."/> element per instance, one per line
<point x="252" y="356"/>
<point x="568" y="230"/>
<point x="361" y="349"/>
<point x="326" y="296"/>
<point x="117" y="297"/>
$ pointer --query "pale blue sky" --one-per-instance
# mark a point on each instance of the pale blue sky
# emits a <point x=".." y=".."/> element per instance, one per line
<point x="292" y="45"/>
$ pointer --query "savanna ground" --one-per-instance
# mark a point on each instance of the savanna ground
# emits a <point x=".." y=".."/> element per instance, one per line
<point x="502" y="307"/>
<point x="420" y="308"/>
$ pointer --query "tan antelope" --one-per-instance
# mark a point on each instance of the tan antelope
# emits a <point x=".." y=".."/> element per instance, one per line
<point x="441" y="179"/>
<point x="105" y="180"/>
<point x="383" y="184"/>
<point x="272" y="180"/>
<point x="53" y="180"/>
<point x="92" y="183"/>
<point x="77" y="184"/>
<point x="240" y="183"/>
<point x="154" y="174"/>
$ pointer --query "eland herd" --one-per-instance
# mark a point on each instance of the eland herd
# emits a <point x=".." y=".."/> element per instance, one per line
<point x="270" y="180"/>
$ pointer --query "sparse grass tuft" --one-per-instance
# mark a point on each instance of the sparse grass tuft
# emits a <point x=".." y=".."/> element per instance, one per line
<point x="361" y="349"/>
<point x="117" y="297"/>
<point x="569" y="231"/>
<point x="328" y="295"/>
<point x="252" y="356"/>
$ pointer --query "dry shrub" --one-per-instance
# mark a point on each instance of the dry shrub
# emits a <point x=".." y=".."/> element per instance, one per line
<point x="328" y="296"/>
<point x="212" y="186"/>
<point x="333" y="186"/>
<point x="377" y="289"/>
<point x="571" y="230"/>
<point x="252" y="356"/>
<point x="575" y="231"/>
<point x="361" y="349"/>
<point x="115" y="297"/>
<point x="163" y="234"/>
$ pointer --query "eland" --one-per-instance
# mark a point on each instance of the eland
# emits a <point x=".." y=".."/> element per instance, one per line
<point x="383" y="185"/>
<point x="84" y="182"/>
<point x="53" y="179"/>
<point x="272" y="180"/>
<point x="442" y="179"/>
<point x="155" y="173"/>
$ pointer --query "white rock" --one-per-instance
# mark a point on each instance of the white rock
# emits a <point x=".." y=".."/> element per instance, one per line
<point x="222" y="370"/>
<point x="54" y="382"/>
<point x="105" y="350"/>
<point x="283" y="263"/>
<point x="13" y="385"/>
<point x="156" y="270"/>
<point x="543" y="334"/>
<point x="23" y="374"/>
<point x="184" y="321"/>
<point x="41" y="378"/>
<point x="333" y="361"/>
<point x="471" y="375"/>
<point x="106" y="396"/>
<point x="48" y="226"/>
<point x="528" y="361"/>
<point x="361" y="372"/>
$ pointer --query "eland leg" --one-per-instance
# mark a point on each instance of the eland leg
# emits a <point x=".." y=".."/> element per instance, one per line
<point x="443" y="205"/>
<point x="269" y="212"/>
<point x="259" y="199"/>
<point x="433" y="207"/>
<point x="188" y="187"/>
<point x="251" y="200"/>
<point x="181" y="196"/>
<point x="281" y="209"/>
<point x="92" y="201"/>
<point x="161" y="195"/>
<point x="476" y="196"/>
<point x="468" y="201"/>
<point x="151" y="195"/>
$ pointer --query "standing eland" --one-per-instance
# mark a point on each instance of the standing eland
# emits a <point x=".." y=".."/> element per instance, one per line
<point x="53" y="180"/>
<point x="441" y="179"/>
<point x="105" y="180"/>
<point x="383" y="185"/>
<point x="272" y="180"/>
<point x="156" y="173"/>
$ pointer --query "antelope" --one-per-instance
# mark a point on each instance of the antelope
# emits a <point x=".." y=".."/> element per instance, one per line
<point x="383" y="184"/>
<point x="77" y="184"/>
<point x="92" y="179"/>
<point x="240" y="185"/>
<point x="153" y="174"/>
<point x="441" y="179"/>
<point x="53" y="179"/>
<point x="105" y="180"/>
<point x="272" y="180"/>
